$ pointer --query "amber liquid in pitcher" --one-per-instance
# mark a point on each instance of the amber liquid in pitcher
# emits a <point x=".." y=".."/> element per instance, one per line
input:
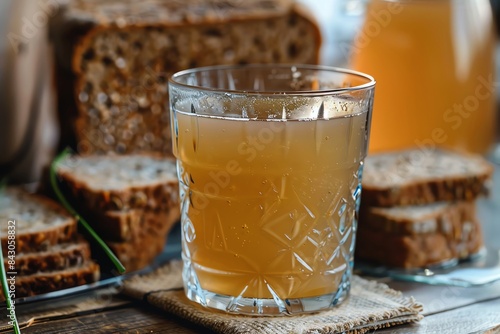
<point x="434" y="66"/>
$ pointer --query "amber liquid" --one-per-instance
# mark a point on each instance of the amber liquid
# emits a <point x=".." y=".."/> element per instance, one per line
<point x="268" y="206"/>
<point x="433" y="63"/>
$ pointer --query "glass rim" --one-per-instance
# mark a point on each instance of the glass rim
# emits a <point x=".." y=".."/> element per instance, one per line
<point x="320" y="92"/>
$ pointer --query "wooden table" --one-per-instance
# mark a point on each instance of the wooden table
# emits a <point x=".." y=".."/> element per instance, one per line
<point x="447" y="309"/>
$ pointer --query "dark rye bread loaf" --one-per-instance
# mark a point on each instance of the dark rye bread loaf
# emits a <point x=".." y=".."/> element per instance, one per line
<point x="145" y="245"/>
<point x="419" y="177"/>
<point x="39" y="222"/>
<point x="57" y="257"/>
<point x="114" y="58"/>
<point x="418" y="236"/>
<point x="121" y="182"/>
<point x="45" y="282"/>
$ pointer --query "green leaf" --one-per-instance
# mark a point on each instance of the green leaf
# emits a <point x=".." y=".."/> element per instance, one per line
<point x="53" y="180"/>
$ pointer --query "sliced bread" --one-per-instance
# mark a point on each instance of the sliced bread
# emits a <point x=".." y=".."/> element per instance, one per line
<point x="116" y="225"/>
<point x="131" y="200"/>
<point x="57" y="257"/>
<point x="128" y="224"/>
<point x="139" y="253"/>
<point x="443" y="217"/>
<point x="121" y="182"/>
<point x="148" y="242"/>
<point x="418" y="236"/>
<point x="45" y="282"/>
<point x="36" y="222"/>
<point x="114" y="58"/>
<point x="415" y="177"/>
<point x="417" y="250"/>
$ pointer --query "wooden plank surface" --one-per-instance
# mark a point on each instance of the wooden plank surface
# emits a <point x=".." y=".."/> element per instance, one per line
<point x="140" y="318"/>
<point x="130" y="319"/>
<point x="441" y="298"/>
<point x="477" y="318"/>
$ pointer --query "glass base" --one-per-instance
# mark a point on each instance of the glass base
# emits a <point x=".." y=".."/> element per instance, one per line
<point x="262" y="306"/>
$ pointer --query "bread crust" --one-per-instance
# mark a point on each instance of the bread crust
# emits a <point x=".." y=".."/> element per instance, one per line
<point x="45" y="282"/>
<point x="463" y="189"/>
<point x="418" y="250"/>
<point x="289" y="9"/>
<point x="68" y="255"/>
<point x="158" y="195"/>
<point x="389" y="179"/>
<point x="127" y="225"/>
<point x="148" y="243"/>
<point x="40" y="240"/>
<point x="439" y="218"/>
<point x="134" y="227"/>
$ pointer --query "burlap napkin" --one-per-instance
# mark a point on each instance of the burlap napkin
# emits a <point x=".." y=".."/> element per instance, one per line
<point x="371" y="306"/>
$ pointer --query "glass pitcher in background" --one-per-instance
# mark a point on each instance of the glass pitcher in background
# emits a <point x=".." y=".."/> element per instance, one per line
<point x="434" y="66"/>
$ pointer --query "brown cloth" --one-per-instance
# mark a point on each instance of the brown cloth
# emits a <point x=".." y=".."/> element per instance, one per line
<point x="370" y="306"/>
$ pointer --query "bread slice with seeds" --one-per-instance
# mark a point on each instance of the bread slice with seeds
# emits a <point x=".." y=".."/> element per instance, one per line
<point x="36" y="222"/>
<point x="57" y="257"/>
<point x="114" y="58"/>
<point x="418" y="207"/>
<point x="418" y="250"/>
<point x="415" y="177"/>
<point x="444" y="217"/>
<point x="128" y="224"/>
<point x="121" y="182"/>
<point x="45" y="282"/>
<point x="143" y="247"/>
<point x="49" y="254"/>
<point x="420" y="235"/>
<point x="131" y="200"/>
<point x="118" y="225"/>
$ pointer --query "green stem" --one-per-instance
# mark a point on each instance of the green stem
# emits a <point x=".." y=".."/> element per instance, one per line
<point x="5" y="286"/>
<point x="53" y="180"/>
<point x="3" y="183"/>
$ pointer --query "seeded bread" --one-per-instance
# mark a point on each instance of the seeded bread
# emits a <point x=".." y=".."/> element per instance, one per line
<point x="114" y="58"/>
<point x="418" y="250"/>
<point x="58" y="257"/>
<point x="45" y="282"/>
<point x="121" y="182"/>
<point x="118" y="225"/>
<point x="140" y="253"/>
<point x="39" y="222"/>
<point x="417" y="236"/>
<point x="148" y="242"/>
<point x="443" y="217"/>
<point x="126" y="225"/>
<point x="131" y="200"/>
<point x="415" y="177"/>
